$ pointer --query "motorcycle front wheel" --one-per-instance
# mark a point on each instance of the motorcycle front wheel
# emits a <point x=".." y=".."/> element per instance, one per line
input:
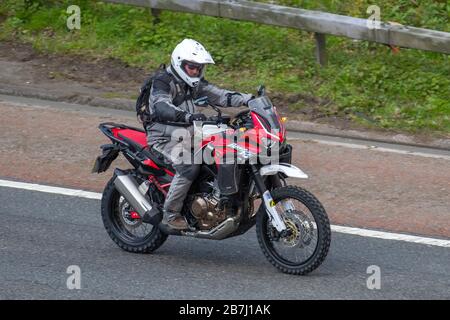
<point x="306" y="243"/>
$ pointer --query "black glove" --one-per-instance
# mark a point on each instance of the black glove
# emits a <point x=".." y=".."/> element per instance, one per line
<point x="196" y="117"/>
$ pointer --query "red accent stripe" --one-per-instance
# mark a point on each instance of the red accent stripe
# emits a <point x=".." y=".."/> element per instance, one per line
<point x="169" y="173"/>
<point x="150" y="163"/>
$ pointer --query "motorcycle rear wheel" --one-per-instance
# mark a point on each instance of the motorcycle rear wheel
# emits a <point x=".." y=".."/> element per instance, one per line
<point x="122" y="229"/>
<point x="309" y="228"/>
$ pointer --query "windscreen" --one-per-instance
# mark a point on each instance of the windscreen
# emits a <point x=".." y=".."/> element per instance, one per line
<point x="264" y="108"/>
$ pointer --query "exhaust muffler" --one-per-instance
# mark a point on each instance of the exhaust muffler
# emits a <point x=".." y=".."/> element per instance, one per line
<point x="129" y="189"/>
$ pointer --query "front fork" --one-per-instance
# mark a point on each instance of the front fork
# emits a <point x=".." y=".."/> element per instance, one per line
<point x="269" y="203"/>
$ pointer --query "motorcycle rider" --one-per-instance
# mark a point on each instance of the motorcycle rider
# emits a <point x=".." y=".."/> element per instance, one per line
<point x="172" y="107"/>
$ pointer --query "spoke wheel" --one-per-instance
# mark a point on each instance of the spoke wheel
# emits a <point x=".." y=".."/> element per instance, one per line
<point x="127" y="231"/>
<point x="305" y="245"/>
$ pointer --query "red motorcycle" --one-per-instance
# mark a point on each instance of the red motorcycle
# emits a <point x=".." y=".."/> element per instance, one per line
<point x="292" y="226"/>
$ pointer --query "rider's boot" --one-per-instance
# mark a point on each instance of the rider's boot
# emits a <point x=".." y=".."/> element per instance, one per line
<point x="174" y="221"/>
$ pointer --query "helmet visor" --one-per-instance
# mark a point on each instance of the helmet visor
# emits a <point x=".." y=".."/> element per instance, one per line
<point x="192" y="68"/>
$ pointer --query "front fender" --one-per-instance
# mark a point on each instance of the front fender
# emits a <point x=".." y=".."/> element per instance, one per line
<point x="286" y="168"/>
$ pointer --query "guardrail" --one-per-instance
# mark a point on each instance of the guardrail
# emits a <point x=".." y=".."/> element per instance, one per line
<point x="321" y="23"/>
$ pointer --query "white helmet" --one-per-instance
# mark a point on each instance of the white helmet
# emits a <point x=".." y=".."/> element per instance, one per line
<point x="190" y="51"/>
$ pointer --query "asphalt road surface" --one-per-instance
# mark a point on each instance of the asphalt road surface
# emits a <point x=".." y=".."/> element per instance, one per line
<point x="42" y="234"/>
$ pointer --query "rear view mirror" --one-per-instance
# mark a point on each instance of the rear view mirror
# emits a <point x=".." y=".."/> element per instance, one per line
<point x="261" y="90"/>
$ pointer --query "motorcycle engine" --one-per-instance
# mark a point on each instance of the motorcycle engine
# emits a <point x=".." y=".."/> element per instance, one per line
<point x="205" y="210"/>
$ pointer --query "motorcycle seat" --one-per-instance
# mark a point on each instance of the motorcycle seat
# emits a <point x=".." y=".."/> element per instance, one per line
<point x="138" y="141"/>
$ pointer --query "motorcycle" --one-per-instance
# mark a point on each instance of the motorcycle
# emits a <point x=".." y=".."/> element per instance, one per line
<point x="292" y="226"/>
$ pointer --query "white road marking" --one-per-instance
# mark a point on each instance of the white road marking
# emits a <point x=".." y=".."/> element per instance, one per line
<point x="50" y="189"/>
<point x="391" y="236"/>
<point x="375" y="148"/>
<point x="341" y="229"/>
